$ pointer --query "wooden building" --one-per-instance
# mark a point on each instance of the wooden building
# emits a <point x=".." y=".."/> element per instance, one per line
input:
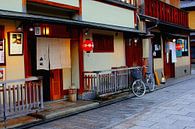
<point x="170" y="46"/>
<point x="189" y="6"/>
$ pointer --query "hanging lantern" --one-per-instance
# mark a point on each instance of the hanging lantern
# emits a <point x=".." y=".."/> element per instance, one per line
<point x="178" y="47"/>
<point x="88" y="45"/>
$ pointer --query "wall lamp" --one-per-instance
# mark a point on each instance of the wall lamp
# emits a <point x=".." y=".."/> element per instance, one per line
<point x="86" y="32"/>
<point x="19" y="27"/>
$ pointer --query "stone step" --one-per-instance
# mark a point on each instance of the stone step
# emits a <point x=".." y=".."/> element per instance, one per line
<point x="87" y="96"/>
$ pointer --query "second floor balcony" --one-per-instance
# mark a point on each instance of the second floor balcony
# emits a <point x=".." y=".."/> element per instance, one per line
<point x="164" y="12"/>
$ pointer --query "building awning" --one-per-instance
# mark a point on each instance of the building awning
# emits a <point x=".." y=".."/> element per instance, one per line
<point x="174" y="26"/>
<point x="39" y="18"/>
<point x="148" y="18"/>
<point x="169" y="26"/>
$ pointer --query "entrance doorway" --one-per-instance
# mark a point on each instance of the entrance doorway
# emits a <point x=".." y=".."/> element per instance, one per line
<point x="133" y="51"/>
<point x="51" y="65"/>
<point x="56" y="84"/>
<point x="169" y="67"/>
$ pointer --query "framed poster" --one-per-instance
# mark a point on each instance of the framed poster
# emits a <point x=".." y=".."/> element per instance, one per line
<point x="15" y="41"/>
<point x="156" y="48"/>
<point x="179" y="48"/>
<point x="37" y="30"/>
<point x="2" y="74"/>
<point x="2" y="52"/>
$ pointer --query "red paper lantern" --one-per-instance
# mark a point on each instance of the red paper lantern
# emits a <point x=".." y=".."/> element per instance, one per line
<point x="88" y="45"/>
<point x="178" y="47"/>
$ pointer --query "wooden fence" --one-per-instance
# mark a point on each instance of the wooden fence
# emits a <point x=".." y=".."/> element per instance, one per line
<point x="20" y="97"/>
<point x="108" y="81"/>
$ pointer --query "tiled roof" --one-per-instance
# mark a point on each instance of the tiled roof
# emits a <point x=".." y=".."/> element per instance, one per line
<point x="187" y="3"/>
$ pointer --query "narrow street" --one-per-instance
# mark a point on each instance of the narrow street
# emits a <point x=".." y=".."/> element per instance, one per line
<point x="169" y="108"/>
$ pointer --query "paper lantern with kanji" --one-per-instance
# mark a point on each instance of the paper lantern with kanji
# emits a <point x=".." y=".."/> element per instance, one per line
<point x="178" y="47"/>
<point x="88" y="45"/>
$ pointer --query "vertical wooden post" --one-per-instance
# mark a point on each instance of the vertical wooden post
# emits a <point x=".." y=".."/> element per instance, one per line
<point x="41" y="93"/>
<point x="4" y="103"/>
<point x="18" y="97"/>
<point x="26" y="95"/>
<point x="98" y="84"/>
<point x="81" y="62"/>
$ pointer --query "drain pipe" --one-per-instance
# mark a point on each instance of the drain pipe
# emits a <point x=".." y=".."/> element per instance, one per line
<point x="150" y="58"/>
<point x="149" y="28"/>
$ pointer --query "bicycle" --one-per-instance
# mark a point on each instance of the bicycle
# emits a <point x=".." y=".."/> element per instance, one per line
<point x="142" y="83"/>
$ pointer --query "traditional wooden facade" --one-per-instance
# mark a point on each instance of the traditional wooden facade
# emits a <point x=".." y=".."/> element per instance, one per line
<point x="48" y="26"/>
<point x="46" y="37"/>
<point x="189" y="6"/>
<point x="52" y="33"/>
<point x="169" y="25"/>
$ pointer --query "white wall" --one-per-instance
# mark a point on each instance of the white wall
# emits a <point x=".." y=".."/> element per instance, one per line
<point x="74" y="76"/>
<point x="99" y="12"/>
<point x="182" y="64"/>
<point x="67" y="2"/>
<point x="158" y="62"/>
<point x="145" y="45"/>
<point x="11" y="5"/>
<point x="104" y="61"/>
<point x="182" y="61"/>
<point x="14" y="68"/>
<point x="75" y="64"/>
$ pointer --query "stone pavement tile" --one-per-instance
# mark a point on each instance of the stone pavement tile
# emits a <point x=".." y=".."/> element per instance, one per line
<point x="153" y="116"/>
<point x="122" y="126"/>
<point x="157" y="118"/>
<point x="191" y="114"/>
<point x="166" y="126"/>
<point x="175" y="107"/>
<point x="190" y="107"/>
<point x="145" y="123"/>
<point x="167" y="108"/>
<point x="188" y="110"/>
<point x="192" y="104"/>
<point x="190" y="128"/>
<point x="127" y="123"/>
<point x="180" y="112"/>
<point x="184" y="102"/>
<point x="163" y="121"/>
<point x="187" y="97"/>
<point x="180" y="117"/>
<point x="138" y="127"/>
<point x="184" y="123"/>
<point x="47" y="128"/>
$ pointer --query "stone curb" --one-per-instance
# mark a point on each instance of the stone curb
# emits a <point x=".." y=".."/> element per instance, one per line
<point x="92" y="106"/>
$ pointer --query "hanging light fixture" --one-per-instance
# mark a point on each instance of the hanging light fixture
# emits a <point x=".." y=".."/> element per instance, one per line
<point x="88" y="45"/>
<point x="45" y="30"/>
<point x="31" y="29"/>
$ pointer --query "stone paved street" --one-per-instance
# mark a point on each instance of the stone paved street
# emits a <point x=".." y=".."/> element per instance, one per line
<point x="169" y="108"/>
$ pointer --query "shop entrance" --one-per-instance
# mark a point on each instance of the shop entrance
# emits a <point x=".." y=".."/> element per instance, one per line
<point x="169" y="67"/>
<point x="133" y="50"/>
<point x="56" y="84"/>
<point x="48" y="58"/>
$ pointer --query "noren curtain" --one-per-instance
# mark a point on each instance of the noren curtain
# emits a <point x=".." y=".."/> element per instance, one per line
<point x="57" y="50"/>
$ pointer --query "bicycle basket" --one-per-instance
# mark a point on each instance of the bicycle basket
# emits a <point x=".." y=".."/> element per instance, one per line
<point x="136" y="74"/>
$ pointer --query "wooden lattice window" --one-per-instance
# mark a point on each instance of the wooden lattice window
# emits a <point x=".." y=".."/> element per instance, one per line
<point x="103" y="43"/>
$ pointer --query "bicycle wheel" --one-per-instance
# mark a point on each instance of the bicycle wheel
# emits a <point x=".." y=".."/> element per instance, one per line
<point x="138" y="88"/>
<point x="150" y="82"/>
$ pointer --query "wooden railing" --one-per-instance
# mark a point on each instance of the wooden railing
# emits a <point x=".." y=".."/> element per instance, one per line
<point x="20" y="97"/>
<point x="108" y="81"/>
<point x="163" y="12"/>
